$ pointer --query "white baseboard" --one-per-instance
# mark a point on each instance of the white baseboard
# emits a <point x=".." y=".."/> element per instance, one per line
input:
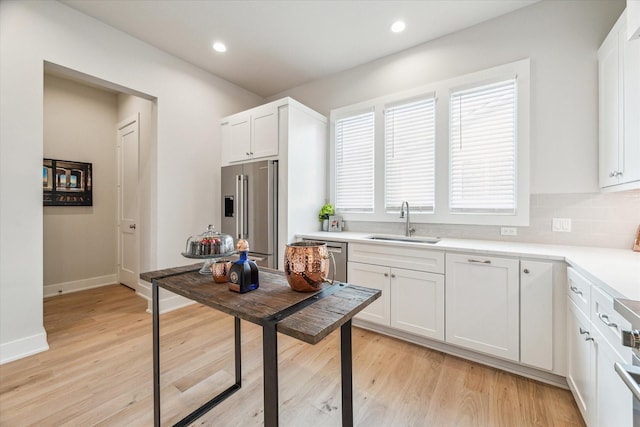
<point x="79" y="285"/>
<point x="171" y="303"/>
<point x="23" y="347"/>
<point x="168" y="300"/>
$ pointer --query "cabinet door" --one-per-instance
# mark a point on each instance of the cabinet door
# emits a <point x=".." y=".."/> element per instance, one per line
<point x="376" y="277"/>
<point x="614" y="401"/>
<point x="239" y="143"/>
<point x="610" y="109"/>
<point x="264" y="130"/>
<point x="579" y="359"/>
<point x="482" y="304"/>
<point x="631" y="169"/>
<point x="536" y="314"/>
<point x="417" y="302"/>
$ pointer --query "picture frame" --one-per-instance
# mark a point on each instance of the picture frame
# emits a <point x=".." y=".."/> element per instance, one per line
<point x="335" y="223"/>
<point x="67" y="183"/>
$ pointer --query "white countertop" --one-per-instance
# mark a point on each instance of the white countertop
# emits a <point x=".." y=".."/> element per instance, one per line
<point x="615" y="270"/>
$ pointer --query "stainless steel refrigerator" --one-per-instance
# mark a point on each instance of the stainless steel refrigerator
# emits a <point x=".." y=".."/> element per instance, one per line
<point x="250" y="208"/>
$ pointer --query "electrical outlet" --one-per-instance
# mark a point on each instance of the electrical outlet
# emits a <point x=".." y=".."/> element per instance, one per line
<point x="562" y="225"/>
<point x="508" y="231"/>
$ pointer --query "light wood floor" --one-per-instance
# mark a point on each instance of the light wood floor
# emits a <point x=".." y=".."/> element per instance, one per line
<point x="98" y="372"/>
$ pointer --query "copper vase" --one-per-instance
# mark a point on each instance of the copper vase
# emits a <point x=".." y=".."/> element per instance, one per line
<point x="220" y="271"/>
<point x="306" y="265"/>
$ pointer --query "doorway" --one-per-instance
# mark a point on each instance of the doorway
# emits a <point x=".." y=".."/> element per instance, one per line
<point x="127" y="147"/>
<point x="93" y="253"/>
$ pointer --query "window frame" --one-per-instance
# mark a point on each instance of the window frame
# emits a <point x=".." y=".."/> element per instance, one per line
<point x="442" y="214"/>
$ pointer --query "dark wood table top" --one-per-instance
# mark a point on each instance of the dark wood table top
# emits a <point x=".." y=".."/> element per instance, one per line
<point x="309" y="317"/>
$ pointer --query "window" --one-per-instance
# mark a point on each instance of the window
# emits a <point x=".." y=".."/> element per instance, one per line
<point x="409" y="139"/>
<point x="456" y="150"/>
<point x="354" y="163"/>
<point x="482" y="149"/>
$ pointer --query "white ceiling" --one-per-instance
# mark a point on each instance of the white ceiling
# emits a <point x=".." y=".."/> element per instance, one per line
<point x="277" y="45"/>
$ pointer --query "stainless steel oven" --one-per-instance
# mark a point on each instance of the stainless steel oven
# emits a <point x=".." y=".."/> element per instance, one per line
<point x="630" y="374"/>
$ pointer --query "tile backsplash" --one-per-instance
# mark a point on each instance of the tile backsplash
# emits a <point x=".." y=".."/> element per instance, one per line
<point x="608" y="220"/>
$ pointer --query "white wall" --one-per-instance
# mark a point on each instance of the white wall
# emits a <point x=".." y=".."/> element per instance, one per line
<point x="80" y="241"/>
<point x="560" y="36"/>
<point x="189" y="104"/>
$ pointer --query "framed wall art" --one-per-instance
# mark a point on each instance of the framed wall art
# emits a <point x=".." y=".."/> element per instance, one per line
<point x="66" y="183"/>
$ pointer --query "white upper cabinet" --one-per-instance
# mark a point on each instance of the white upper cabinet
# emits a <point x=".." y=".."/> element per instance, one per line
<point x="619" y="109"/>
<point x="250" y="135"/>
<point x="633" y="19"/>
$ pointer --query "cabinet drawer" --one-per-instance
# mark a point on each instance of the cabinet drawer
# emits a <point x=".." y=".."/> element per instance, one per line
<point x="579" y="290"/>
<point x="397" y="256"/>
<point x="608" y="322"/>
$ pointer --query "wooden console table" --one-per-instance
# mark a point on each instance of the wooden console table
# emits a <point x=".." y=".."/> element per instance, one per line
<point x="309" y="317"/>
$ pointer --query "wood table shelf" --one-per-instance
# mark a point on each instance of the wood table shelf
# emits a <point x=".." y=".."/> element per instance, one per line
<point x="309" y="317"/>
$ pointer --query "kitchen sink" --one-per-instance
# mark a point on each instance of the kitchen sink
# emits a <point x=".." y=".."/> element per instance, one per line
<point x="416" y="239"/>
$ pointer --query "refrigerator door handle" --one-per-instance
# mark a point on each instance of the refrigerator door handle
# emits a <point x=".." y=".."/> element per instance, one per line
<point x="245" y="206"/>
<point x="239" y="206"/>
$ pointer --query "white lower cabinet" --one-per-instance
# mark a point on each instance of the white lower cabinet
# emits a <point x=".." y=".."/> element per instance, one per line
<point x="579" y="359"/>
<point x="537" y="334"/>
<point x="593" y="347"/>
<point x="613" y="399"/>
<point x="417" y="302"/>
<point x="483" y="304"/>
<point x="411" y="301"/>
<point x="376" y="277"/>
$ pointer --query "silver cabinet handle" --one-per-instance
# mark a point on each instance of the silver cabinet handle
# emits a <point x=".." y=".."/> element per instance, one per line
<point x="575" y="290"/>
<point x="486" y="261"/>
<point x="587" y="333"/>
<point x="605" y="320"/>
<point x="614" y="174"/>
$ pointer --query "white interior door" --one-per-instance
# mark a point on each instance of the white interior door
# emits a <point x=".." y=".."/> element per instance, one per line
<point x="128" y="242"/>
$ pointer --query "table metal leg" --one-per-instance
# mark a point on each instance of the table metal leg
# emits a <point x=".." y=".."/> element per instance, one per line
<point x="238" y="353"/>
<point x="270" y="367"/>
<point x="155" y="308"/>
<point x="346" y="364"/>
<point x="189" y="419"/>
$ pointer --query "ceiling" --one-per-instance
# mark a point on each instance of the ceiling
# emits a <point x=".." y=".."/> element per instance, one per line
<point x="278" y="45"/>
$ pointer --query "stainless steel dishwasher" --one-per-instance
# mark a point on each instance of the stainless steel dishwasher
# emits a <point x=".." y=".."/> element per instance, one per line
<point x="339" y="251"/>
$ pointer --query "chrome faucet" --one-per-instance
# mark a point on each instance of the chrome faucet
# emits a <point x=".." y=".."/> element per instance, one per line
<point x="407" y="228"/>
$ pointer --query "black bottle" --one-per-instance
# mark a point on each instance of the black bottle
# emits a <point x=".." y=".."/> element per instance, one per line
<point x="243" y="274"/>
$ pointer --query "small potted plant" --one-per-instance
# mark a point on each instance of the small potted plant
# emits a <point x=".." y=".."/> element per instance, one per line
<point x="323" y="215"/>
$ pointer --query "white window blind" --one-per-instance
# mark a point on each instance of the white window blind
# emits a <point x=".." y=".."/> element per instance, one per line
<point x="355" y="146"/>
<point x="483" y="149"/>
<point x="409" y="139"/>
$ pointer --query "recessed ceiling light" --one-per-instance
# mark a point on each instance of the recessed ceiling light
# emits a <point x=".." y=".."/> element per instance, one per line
<point x="219" y="47"/>
<point x="398" y="26"/>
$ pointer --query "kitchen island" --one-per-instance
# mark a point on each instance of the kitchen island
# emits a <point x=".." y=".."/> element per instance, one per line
<point x="309" y="317"/>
